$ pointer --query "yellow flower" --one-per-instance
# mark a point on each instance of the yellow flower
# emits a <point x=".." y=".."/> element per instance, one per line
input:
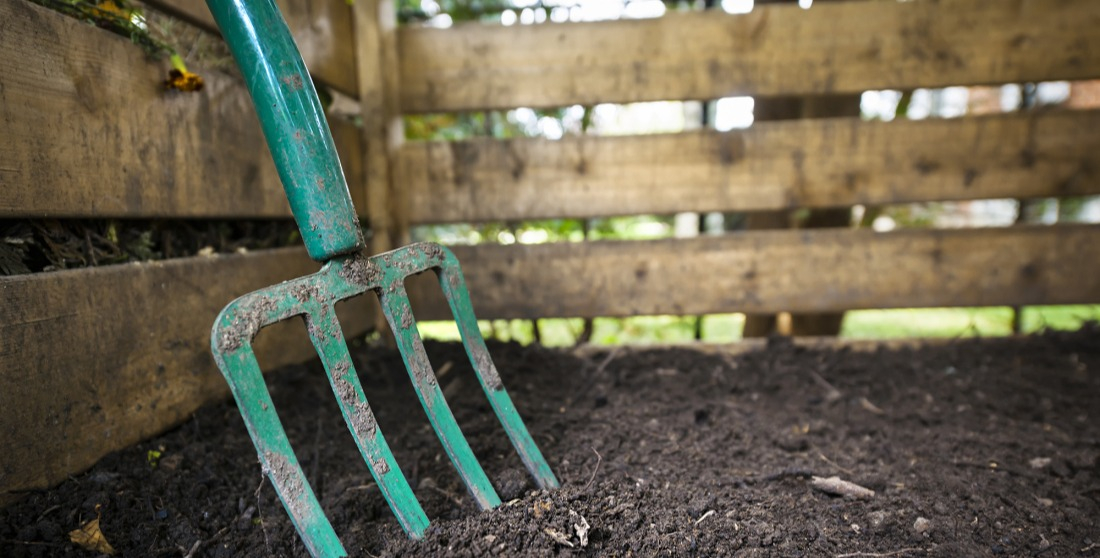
<point x="180" y="79"/>
<point x="183" y="81"/>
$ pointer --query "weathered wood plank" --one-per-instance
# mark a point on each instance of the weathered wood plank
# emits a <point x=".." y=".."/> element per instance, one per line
<point x="322" y="29"/>
<point x="841" y="47"/>
<point x="93" y="360"/>
<point x="349" y="146"/>
<point x="772" y="271"/>
<point x="773" y="165"/>
<point x="383" y="131"/>
<point x="89" y="132"/>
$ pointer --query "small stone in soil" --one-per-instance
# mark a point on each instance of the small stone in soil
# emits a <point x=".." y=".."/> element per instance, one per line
<point x="877" y="518"/>
<point x="922" y="525"/>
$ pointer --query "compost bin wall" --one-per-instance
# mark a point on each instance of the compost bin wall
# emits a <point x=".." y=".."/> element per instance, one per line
<point x="93" y="360"/>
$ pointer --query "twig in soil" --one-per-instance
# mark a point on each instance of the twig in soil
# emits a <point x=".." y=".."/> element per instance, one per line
<point x="831" y="393"/>
<point x="704" y="516"/>
<point x="599" y="458"/>
<point x="443" y="370"/>
<point x="870" y="407"/>
<point x="450" y="495"/>
<point x="610" y="357"/>
<point x="43" y="515"/>
<point x="1092" y="546"/>
<point x="88" y="247"/>
<point x="833" y="463"/>
<point x="839" y="487"/>
<point x="367" y="486"/>
<point x="260" y="515"/>
<point x="881" y="554"/>
<point x="194" y="549"/>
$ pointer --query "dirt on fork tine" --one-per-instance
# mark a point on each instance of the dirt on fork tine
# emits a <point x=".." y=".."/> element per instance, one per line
<point x="972" y="448"/>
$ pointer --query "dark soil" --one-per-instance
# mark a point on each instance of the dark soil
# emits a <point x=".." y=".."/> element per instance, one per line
<point x="973" y="448"/>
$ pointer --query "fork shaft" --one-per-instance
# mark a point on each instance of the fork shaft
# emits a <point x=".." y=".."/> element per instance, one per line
<point x="294" y="124"/>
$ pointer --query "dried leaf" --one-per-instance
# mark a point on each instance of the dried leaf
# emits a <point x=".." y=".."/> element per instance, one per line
<point x="540" y="508"/>
<point x="89" y="537"/>
<point x="580" y="527"/>
<point x="558" y="537"/>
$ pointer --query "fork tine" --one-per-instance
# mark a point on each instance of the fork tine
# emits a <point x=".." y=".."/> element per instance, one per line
<point x="458" y="297"/>
<point x="276" y="456"/>
<point x="398" y="312"/>
<point x="332" y="348"/>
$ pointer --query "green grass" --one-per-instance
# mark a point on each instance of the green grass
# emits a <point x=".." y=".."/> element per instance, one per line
<point x="962" y="322"/>
<point x="858" y="324"/>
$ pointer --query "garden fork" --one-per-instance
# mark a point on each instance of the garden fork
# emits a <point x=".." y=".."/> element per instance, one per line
<point x="301" y="145"/>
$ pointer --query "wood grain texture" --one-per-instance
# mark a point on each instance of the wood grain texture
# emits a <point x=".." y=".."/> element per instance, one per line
<point x="349" y="146"/>
<point x="96" y="359"/>
<point x="771" y="271"/>
<point x="383" y="131"/>
<point x="773" y="165"/>
<point x="322" y="30"/>
<point x="841" y="47"/>
<point x="88" y="131"/>
<point x="816" y="106"/>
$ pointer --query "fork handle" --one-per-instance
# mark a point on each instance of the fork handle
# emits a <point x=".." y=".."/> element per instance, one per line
<point x="294" y="124"/>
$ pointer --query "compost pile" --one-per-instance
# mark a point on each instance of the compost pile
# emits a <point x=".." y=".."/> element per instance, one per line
<point x="971" y="447"/>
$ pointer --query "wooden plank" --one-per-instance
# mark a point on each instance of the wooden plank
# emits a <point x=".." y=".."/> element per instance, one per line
<point x="321" y="28"/>
<point x="383" y="131"/>
<point x="772" y="271"/>
<point x="89" y="132"/>
<point x="841" y="47"/>
<point x="93" y="360"/>
<point x="773" y="165"/>
<point x="349" y="146"/>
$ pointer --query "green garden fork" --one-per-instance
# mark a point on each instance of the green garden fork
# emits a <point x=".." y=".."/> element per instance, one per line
<point x="301" y="145"/>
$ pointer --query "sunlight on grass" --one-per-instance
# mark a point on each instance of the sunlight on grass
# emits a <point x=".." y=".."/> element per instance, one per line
<point x="927" y="322"/>
<point x="725" y="328"/>
<point x="962" y="322"/>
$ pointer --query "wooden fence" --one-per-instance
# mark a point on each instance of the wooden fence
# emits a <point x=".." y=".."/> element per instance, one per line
<point x="93" y="360"/>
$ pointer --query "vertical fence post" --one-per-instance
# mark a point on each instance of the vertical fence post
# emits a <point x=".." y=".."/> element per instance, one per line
<point x="383" y="131"/>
